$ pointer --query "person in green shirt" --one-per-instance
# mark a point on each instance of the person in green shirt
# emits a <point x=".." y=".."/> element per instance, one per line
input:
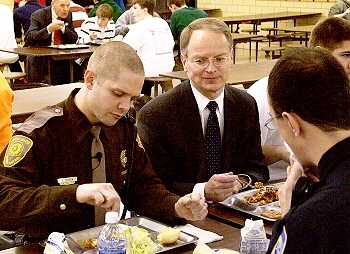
<point x="182" y="16"/>
<point x="116" y="9"/>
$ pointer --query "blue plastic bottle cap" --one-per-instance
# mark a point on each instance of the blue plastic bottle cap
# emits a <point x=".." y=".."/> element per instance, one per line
<point x="112" y="217"/>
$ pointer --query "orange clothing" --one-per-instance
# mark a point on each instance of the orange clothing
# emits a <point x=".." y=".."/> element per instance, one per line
<point x="6" y="95"/>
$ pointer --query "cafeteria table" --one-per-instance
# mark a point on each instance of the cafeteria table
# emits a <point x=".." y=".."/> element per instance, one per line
<point x="53" y="54"/>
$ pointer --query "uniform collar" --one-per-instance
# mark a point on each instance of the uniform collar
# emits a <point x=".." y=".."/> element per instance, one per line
<point x="79" y="122"/>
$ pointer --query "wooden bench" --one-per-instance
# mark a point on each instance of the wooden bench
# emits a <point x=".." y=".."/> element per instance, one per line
<point x="164" y="82"/>
<point x="273" y="50"/>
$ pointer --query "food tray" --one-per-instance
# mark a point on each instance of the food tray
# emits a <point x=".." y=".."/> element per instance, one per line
<point x="237" y="202"/>
<point x="69" y="46"/>
<point x="153" y="227"/>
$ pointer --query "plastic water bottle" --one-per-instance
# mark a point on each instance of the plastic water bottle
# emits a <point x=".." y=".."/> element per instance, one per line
<point x="111" y="238"/>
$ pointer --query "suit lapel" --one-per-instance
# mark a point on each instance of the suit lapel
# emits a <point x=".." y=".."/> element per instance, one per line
<point x="191" y="123"/>
<point x="231" y="123"/>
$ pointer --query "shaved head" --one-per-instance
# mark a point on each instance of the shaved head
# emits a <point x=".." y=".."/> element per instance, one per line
<point x="110" y="59"/>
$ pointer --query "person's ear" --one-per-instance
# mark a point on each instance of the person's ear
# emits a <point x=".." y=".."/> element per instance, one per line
<point x="89" y="78"/>
<point x="293" y="122"/>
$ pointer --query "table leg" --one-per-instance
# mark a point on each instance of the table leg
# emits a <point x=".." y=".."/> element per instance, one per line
<point x="50" y="70"/>
<point x="71" y="70"/>
<point x="250" y="50"/>
<point x="234" y="53"/>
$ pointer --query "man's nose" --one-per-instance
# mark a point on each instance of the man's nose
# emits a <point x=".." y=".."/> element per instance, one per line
<point x="125" y="105"/>
<point x="211" y="66"/>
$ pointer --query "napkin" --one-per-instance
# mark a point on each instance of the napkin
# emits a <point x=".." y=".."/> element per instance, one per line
<point x="203" y="235"/>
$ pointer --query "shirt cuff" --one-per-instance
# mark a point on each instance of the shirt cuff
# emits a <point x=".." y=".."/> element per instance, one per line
<point x="199" y="189"/>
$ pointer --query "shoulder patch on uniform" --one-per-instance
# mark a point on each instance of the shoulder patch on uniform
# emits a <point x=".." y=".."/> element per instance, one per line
<point x="139" y="143"/>
<point x="40" y="118"/>
<point x="17" y="149"/>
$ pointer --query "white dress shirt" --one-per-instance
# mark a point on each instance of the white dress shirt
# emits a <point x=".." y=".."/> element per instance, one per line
<point x="202" y="103"/>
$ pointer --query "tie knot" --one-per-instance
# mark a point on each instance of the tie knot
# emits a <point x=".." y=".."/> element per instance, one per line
<point x="212" y="105"/>
<point x="95" y="131"/>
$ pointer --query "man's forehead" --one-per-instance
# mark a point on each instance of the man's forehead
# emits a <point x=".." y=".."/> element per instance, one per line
<point x="343" y="46"/>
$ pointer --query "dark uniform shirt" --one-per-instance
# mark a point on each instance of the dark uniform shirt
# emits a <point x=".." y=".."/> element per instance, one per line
<point x="319" y="219"/>
<point x="33" y="198"/>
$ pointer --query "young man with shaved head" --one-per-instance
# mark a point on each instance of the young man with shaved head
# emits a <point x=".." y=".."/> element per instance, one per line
<point x="69" y="163"/>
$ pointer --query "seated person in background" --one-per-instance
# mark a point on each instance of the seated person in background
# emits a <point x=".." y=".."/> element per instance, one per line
<point x="125" y="20"/>
<point x="152" y="39"/>
<point x="309" y="100"/>
<point x="99" y="28"/>
<point x="202" y="133"/>
<point x="69" y="163"/>
<point x="340" y="9"/>
<point x="7" y="39"/>
<point x="50" y="26"/>
<point x="275" y="153"/>
<point x="182" y="16"/>
<point x="116" y="9"/>
<point x="6" y="101"/>
<point x="21" y="17"/>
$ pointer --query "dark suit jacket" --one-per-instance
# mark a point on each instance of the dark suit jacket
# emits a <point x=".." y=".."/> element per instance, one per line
<point x="38" y="35"/>
<point x="171" y="132"/>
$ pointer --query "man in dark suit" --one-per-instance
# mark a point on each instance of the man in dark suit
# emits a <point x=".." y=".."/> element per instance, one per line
<point x="50" y="26"/>
<point x="201" y="134"/>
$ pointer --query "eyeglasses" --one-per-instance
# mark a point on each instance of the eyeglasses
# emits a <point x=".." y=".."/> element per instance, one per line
<point x="270" y="123"/>
<point x="203" y="62"/>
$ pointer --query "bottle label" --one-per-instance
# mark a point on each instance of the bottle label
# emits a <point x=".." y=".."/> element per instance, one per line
<point x="113" y="247"/>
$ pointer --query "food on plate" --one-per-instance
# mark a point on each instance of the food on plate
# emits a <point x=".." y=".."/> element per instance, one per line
<point x="168" y="236"/>
<point x="264" y="195"/>
<point x="139" y="241"/>
<point x="202" y="248"/>
<point x="88" y="244"/>
<point x="272" y="214"/>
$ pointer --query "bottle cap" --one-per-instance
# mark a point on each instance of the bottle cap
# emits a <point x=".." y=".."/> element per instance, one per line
<point x="112" y="217"/>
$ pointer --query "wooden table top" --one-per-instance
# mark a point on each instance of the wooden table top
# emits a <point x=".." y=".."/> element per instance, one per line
<point x="55" y="54"/>
<point x="263" y="17"/>
<point x="236" y="37"/>
<point x="28" y="101"/>
<point x="246" y="73"/>
<point x="46" y="51"/>
<point x="303" y="29"/>
<point x="231" y="239"/>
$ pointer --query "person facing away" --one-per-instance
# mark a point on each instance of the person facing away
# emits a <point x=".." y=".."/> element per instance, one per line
<point x="202" y="133"/>
<point x="332" y="34"/>
<point x="99" y="28"/>
<point x="340" y="9"/>
<point x="21" y="17"/>
<point x="152" y="39"/>
<point x="309" y="100"/>
<point x="69" y="163"/>
<point x="182" y="15"/>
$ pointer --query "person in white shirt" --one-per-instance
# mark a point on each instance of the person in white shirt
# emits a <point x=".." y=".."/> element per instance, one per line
<point x="99" y="28"/>
<point x="152" y="39"/>
<point x="7" y="35"/>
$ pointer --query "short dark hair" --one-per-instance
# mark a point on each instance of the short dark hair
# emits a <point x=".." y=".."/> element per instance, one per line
<point x="209" y="24"/>
<point x="312" y="84"/>
<point x="330" y="33"/>
<point x="149" y="4"/>
<point x="178" y="3"/>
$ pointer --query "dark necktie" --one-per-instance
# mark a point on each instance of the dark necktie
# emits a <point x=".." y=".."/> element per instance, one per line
<point x="98" y="166"/>
<point x="57" y="37"/>
<point x="213" y="141"/>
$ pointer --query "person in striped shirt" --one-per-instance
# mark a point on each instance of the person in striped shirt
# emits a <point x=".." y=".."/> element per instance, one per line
<point x="100" y="28"/>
